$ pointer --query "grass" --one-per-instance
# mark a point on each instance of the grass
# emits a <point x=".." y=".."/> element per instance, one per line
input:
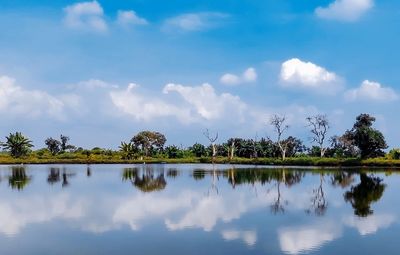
<point x="76" y="158"/>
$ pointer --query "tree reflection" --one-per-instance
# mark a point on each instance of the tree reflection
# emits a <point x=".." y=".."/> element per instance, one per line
<point x="288" y="178"/>
<point x="18" y="178"/>
<point x="54" y="175"/>
<point x="342" y="179"/>
<point x="319" y="204"/>
<point x="88" y="171"/>
<point x="369" y="190"/>
<point x="199" y="174"/>
<point x="172" y="173"/>
<point x="145" y="180"/>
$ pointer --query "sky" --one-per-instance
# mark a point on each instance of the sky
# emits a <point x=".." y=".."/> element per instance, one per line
<point x="101" y="71"/>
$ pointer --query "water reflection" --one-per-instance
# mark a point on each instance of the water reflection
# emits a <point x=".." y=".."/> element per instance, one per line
<point x="251" y="210"/>
<point x="18" y="178"/>
<point x="146" y="180"/>
<point x="369" y="190"/>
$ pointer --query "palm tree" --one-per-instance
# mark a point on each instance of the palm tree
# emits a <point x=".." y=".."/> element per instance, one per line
<point x="17" y="144"/>
<point x="128" y="150"/>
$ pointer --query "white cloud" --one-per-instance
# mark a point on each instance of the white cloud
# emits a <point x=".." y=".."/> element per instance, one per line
<point x="93" y="84"/>
<point x="125" y="18"/>
<point x="306" y="75"/>
<point x="146" y="108"/>
<point x="193" y="21"/>
<point x="249" y="236"/>
<point x="304" y="239"/>
<point x="249" y="75"/>
<point x="17" y="214"/>
<point x="33" y="103"/>
<point x="150" y="206"/>
<point x="370" y="224"/>
<point x="206" y="103"/>
<point x="85" y="16"/>
<point x="345" y="10"/>
<point x="370" y="90"/>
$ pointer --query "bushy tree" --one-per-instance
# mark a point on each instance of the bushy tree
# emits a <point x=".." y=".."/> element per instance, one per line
<point x="53" y="145"/>
<point x="173" y="151"/>
<point x="17" y="144"/>
<point x="370" y="141"/>
<point x="149" y="141"/>
<point x="198" y="150"/>
<point x="394" y="154"/>
<point x="294" y="146"/>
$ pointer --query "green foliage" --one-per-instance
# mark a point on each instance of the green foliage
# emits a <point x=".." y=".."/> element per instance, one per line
<point x="17" y="144"/>
<point x="149" y="142"/>
<point x="370" y="141"/>
<point x="198" y="150"/>
<point x="394" y="154"/>
<point x="53" y="145"/>
<point x="128" y="150"/>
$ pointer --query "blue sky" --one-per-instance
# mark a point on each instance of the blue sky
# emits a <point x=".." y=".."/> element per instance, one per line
<point x="100" y="71"/>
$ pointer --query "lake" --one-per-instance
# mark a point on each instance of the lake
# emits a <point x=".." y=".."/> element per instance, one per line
<point x="197" y="209"/>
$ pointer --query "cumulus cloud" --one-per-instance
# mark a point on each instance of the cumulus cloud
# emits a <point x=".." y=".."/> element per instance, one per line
<point x="139" y="106"/>
<point x="371" y="91"/>
<point x="249" y="75"/>
<point x="194" y="21"/>
<point x="296" y="73"/>
<point x="33" y="103"/>
<point x="206" y="102"/>
<point x="345" y="10"/>
<point x="130" y="17"/>
<point x="85" y="16"/>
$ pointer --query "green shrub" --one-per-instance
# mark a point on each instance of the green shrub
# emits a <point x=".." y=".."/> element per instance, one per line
<point x="394" y="154"/>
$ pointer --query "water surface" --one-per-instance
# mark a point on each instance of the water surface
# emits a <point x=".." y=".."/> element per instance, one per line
<point x="197" y="209"/>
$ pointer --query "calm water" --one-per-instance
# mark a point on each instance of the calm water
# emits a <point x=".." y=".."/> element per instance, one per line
<point x="196" y="209"/>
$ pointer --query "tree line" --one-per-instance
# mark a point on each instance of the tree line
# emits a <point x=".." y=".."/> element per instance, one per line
<point x="361" y="141"/>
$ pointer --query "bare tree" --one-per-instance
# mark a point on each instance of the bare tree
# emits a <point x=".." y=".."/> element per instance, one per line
<point x="231" y="151"/>
<point x="279" y="124"/>
<point x="319" y="126"/>
<point x="255" y="154"/>
<point x="212" y="140"/>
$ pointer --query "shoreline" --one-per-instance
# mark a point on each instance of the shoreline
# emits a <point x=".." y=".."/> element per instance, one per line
<point x="299" y="162"/>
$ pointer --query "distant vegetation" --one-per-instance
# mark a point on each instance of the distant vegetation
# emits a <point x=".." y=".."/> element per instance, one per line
<point x="360" y="145"/>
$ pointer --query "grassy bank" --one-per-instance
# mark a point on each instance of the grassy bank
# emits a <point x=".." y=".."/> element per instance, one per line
<point x="114" y="159"/>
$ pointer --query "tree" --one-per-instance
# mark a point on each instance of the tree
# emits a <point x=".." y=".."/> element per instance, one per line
<point x="343" y="146"/>
<point x="149" y="141"/>
<point x="128" y="150"/>
<point x="319" y="126"/>
<point x="279" y="125"/>
<point x="294" y="145"/>
<point x="173" y="151"/>
<point x="17" y="144"/>
<point x="64" y="143"/>
<point x="198" y="150"/>
<point x="212" y="140"/>
<point x="53" y="145"/>
<point x="370" y="141"/>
